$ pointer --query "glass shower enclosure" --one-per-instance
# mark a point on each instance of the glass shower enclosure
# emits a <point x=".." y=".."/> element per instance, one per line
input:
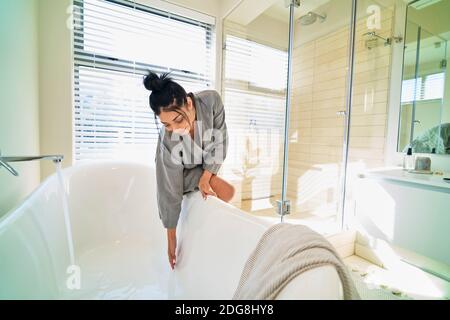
<point x="305" y="85"/>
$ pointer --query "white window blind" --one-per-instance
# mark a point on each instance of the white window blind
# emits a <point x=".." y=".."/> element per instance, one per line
<point x="411" y="90"/>
<point x="429" y="87"/>
<point x="254" y="96"/>
<point x="258" y="65"/>
<point x="434" y="86"/>
<point x="115" y="43"/>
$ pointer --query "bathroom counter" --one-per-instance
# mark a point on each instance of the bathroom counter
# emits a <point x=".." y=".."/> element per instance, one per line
<point x="400" y="175"/>
<point x="407" y="210"/>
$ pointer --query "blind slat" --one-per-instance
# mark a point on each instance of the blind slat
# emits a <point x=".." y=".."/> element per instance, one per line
<point x="428" y="87"/>
<point x="115" y="43"/>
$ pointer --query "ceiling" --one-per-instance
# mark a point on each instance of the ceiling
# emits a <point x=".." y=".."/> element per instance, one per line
<point x="280" y="12"/>
<point x="249" y="10"/>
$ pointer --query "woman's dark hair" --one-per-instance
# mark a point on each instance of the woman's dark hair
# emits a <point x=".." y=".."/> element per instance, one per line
<point x="166" y="94"/>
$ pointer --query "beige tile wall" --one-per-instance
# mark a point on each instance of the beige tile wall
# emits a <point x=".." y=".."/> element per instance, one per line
<point x="316" y="132"/>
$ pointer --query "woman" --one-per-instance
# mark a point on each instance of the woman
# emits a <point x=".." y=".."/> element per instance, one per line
<point x="191" y="148"/>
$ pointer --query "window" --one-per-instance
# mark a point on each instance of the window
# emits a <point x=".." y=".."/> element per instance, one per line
<point x="115" y="43"/>
<point x="434" y="86"/>
<point x="256" y="64"/>
<point x="409" y="91"/>
<point x="429" y="87"/>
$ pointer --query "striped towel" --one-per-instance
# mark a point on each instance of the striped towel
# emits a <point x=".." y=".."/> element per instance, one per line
<point x="283" y="252"/>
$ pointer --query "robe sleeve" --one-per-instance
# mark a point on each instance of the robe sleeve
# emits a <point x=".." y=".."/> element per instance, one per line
<point x="215" y="149"/>
<point x="169" y="181"/>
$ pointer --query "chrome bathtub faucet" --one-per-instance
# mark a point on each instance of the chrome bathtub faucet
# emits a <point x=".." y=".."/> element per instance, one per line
<point x="4" y="161"/>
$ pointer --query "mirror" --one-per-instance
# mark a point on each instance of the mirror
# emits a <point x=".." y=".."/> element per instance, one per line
<point x="425" y="90"/>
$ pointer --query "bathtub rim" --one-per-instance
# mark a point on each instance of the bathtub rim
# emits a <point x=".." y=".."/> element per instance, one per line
<point x="14" y="213"/>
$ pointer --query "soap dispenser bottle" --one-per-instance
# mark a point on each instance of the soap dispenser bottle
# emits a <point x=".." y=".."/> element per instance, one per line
<point x="408" y="160"/>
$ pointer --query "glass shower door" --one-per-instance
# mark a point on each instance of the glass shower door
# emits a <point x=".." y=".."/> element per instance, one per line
<point x="289" y="158"/>
<point x="255" y="42"/>
<point x="320" y="63"/>
<point x="374" y="39"/>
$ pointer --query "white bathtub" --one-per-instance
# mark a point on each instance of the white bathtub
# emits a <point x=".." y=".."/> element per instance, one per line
<point x="120" y="244"/>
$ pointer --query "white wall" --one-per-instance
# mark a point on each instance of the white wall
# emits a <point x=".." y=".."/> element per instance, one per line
<point x="269" y="31"/>
<point x="19" y="97"/>
<point x="227" y="6"/>
<point x="55" y="80"/>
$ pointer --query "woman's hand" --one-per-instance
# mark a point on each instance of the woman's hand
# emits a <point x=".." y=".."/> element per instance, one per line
<point x="204" y="186"/>
<point x="172" y="246"/>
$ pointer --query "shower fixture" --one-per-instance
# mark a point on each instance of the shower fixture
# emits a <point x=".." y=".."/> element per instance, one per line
<point x="4" y="161"/>
<point x="310" y="18"/>
<point x="296" y="3"/>
<point x="372" y="41"/>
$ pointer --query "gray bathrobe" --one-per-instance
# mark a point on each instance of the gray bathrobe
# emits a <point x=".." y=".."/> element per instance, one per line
<point x="181" y="160"/>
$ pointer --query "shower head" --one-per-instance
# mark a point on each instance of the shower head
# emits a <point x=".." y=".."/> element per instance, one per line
<point x="310" y="18"/>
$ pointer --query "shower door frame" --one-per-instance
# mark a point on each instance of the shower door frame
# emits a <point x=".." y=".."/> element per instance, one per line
<point x="284" y="204"/>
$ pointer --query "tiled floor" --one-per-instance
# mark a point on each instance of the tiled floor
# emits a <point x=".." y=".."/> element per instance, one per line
<point x="376" y="283"/>
<point x="368" y="281"/>
<point x="372" y="281"/>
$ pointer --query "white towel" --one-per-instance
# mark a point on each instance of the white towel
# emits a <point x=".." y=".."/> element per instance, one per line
<point x="283" y="252"/>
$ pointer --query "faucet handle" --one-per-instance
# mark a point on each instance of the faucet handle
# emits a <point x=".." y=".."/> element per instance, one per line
<point x="7" y="166"/>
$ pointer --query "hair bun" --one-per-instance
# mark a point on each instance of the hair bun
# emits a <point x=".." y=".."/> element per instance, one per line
<point x="153" y="82"/>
